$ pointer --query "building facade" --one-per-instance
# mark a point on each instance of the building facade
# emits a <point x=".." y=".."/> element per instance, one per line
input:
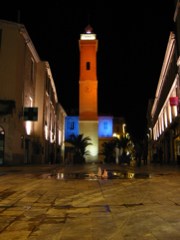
<point x="31" y="128"/>
<point x="163" y="111"/>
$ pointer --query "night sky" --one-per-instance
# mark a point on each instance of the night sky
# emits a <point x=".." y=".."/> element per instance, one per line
<point x="132" y="41"/>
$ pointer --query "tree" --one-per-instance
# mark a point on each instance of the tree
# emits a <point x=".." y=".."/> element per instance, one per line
<point x="125" y="146"/>
<point x="79" y="144"/>
<point x="108" y="151"/>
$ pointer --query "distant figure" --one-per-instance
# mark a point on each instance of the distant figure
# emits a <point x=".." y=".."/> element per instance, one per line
<point x="99" y="172"/>
<point x="105" y="174"/>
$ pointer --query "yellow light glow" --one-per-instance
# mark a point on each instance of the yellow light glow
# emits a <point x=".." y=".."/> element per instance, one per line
<point x="88" y="36"/>
<point x="124" y="128"/>
<point x="127" y="136"/>
<point x="59" y="137"/>
<point x="52" y="137"/>
<point x="169" y="113"/>
<point x="28" y="126"/>
<point x="93" y="150"/>
<point x="46" y="132"/>
<point x="175" y="111"/>
<point x="116" y="135"/>
<point x="165" y="118"/>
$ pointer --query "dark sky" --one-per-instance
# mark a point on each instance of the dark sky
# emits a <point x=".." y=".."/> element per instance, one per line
<point x="132" y="41"/>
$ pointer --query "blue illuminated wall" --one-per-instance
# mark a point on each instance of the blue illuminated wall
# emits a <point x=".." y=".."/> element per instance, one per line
<point x="105" y="126"/>
<point x="71" y="126"/>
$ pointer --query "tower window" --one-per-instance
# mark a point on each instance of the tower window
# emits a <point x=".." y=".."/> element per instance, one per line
<point x="87" y="65"/>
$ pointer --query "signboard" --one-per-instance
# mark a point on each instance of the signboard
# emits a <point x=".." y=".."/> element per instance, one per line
<point x="174" y="101"/>
<point x="30" y="114"/>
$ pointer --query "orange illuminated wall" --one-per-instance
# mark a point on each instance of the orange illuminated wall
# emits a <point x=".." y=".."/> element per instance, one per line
<point x="88" y="83"/>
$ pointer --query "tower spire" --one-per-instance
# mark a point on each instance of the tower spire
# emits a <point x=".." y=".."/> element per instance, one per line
<point x="88" y="29"/>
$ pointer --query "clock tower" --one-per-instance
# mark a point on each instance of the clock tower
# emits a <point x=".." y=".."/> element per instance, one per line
<point x="88" y="86"/>
<point x="88" y="79"/>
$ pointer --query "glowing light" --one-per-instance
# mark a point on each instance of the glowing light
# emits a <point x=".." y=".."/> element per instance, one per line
<point x="169" y="113"/>
<point x="124" y="128"/>
<point x="165" y="119"/>
<point x="178" y="62"/>
<point x="88" y="36"/>
<point x="31" y="101"/>
<point x="46" y="132"/>
<point x="71" y="126"/>
<point x="59" y="137"/>
<point x="116" y="135"/>
<point x="28" y="126"/>
<point x="93" y="150"/>
<point x="105" y="127"/>
<point x="52" y="137"/>
<point x="130" y="175"/>
<point x="175" y="111"/>
<point x="60" y="175"/>
<point x="127" y="136"/>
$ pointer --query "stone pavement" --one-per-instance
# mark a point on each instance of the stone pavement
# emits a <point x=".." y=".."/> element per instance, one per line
<point x="54" y="202"/>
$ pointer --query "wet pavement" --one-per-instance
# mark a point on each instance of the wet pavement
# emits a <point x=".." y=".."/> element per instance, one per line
<point x="54" y="202"/>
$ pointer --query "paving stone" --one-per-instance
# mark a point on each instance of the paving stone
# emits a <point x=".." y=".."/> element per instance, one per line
<point x="36" y="205"/>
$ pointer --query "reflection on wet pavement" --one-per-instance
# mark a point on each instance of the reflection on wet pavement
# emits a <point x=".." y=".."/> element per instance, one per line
<point x="110" y="174"/>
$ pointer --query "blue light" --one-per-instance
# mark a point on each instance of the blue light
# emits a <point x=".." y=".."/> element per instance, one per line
<point x="71" y="126"/>
<point x="105" y="126"/>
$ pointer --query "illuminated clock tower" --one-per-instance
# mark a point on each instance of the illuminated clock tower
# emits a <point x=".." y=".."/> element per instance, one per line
<point x="88" y="86"/>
